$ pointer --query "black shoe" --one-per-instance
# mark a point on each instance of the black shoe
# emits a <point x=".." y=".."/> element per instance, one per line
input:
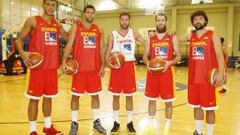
<point x="131" y="129"/>
<point x="196" y="133"/>
<point x="97" y="125"/>
<point x="74" y="128"/>
<point x="115" y="128"/>
<point x="222" y="91"/>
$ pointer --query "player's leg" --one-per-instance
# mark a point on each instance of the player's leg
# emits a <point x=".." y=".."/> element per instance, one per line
<point x="95" y="105"/>
<point x="210" y="120"/>
<point x="151" y="111"/>
<point x="78" y="89"/>
<point x="194" y="101"/>
<point x="129" y="108"/>
<point x="35" y="91"/>
<point x="168" y="117"/>
<point x="198" y="116"/>
<point x="129" y="88"/>
<point x="32" y="115"/>
<point x="116" y="106"/>
<point x="50" y="90"/>
<point x="209" y="104"/>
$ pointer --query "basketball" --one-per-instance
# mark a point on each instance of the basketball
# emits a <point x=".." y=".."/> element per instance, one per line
<point x="211" y="76"/>
<point x="36" y="60"/>
<point x="156" y="65"/>
<point x="17" y="63"/>
<point x="72" y="67"/>
<point x="116" y="59"/>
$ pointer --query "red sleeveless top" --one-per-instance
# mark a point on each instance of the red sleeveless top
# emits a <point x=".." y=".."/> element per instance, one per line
<point x="44" y="40"/>
<point x="86" y="47"/>
<point x="202" y="57"/>
<point x="162" y="48"/>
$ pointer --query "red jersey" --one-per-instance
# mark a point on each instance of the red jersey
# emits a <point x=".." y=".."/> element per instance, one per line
<point x="86" y="47"/>
<point x="202" y="57"/>
<point x="162" y="48"/>
<point x="44" y="40"/>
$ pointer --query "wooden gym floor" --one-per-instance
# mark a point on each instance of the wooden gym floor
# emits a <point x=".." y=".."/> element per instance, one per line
<point x="13" y="107"/>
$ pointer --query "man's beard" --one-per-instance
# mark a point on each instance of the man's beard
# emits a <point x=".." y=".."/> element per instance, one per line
<point x="162" y="30"/>
<point x="199" y="27"/>
<point x="123" y="27"/>
<point x="89" y="21"/>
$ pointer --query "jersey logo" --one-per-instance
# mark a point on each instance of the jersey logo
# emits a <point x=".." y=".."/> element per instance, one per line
<point x="50" y="38"/>
<point x="161" y="51"/>
<point x="127" y="47"/>
<point x="89" y="41"/>
<point x="198" y="53"/>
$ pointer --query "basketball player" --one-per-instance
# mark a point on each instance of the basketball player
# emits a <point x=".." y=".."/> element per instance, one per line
<point x="205" y="53"/>
<point x="161" y="85"/>
<point x="225" y="54"/>
<point x="122" y="80"/>
<point x="44" y="32"/>
<point x="87" y="41"/>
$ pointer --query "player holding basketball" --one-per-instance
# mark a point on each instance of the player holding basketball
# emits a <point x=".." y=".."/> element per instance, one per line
<point x="161" y="85"/>
<point x="44" y="32"/>
<point x="122" y="80"/>
<point x="87" y="41"/>
<point x="205" y="53"/>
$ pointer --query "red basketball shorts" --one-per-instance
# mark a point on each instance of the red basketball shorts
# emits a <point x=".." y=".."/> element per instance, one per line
<point x="161" y="86"/>
<point x="122" y="80"/>
<point x="42" y="82"/>
<point x="86" y="82"/>
<point x="203" y="96"/>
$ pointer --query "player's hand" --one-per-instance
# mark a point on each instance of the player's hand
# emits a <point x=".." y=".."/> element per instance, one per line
<point x="101" y="72"/>
<point x="113" y="66"/>
<point x="63" y="67"/>
<point x="147" y="64"/>
<point x="219" y="79"/>
<point x="167" y="65"/>
<point x="25" y="58"/>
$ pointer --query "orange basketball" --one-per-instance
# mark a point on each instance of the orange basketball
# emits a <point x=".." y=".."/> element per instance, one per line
<point x="36" y="60"/>
<point x="211" y="76"/>
<point x="156" y="65"/>
<point x="72" y="67"/>
<point x="17" y="63"/>
<point x="116" y="59"/>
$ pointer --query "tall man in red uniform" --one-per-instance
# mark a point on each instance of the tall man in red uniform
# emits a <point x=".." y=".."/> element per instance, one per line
<point x="87" y="41"/>
<point x="205" y="53"/>
<point x="122" y="80"/>
<point x="44" y="32"/>
<point x="161" y="85"/>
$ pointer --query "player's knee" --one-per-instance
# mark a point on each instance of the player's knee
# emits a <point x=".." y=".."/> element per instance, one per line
<point x="210" y="112"/>
<point x="33" y="101"/>
<point x="152" y="102"/>
<point x="75" y="98"/>
<point x="129" y="98"/>
<point x="168" y="104"/>
<point x="116" y="97"/>
<point x="95" y="97"/>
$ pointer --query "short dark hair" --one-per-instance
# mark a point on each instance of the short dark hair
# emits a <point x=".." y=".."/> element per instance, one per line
<point x="124" y="14"/>
<point x="49" y="0"/>
<point x="89" y="6"/>
<point x="199" y="13"/>
<point x="160" y="14"/>
<point x="222" y="39"/>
